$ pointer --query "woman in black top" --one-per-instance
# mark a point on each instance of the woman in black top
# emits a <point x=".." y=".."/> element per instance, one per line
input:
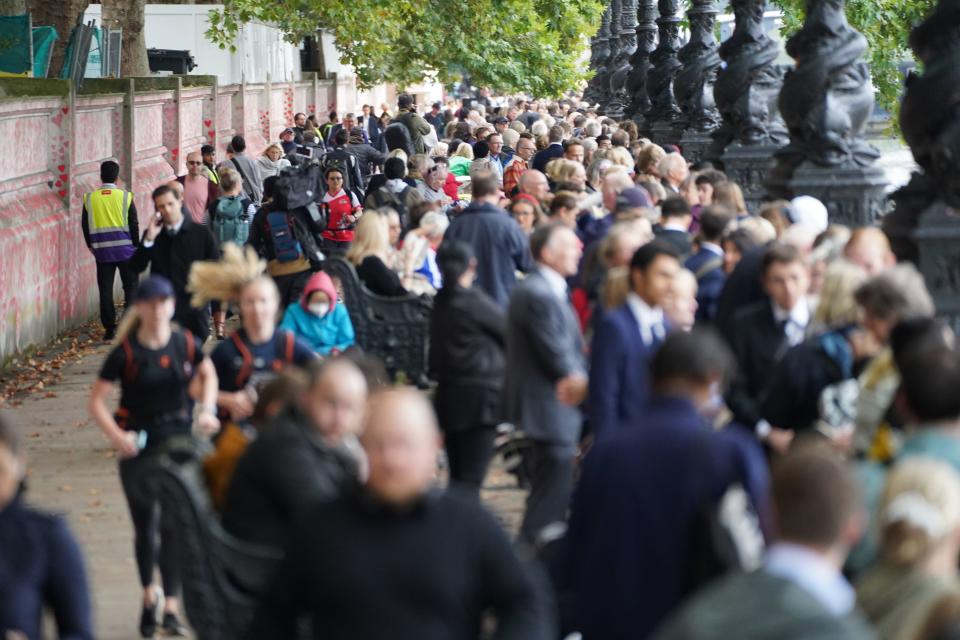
<point x="368" y="254"/>
<point x="156" y="366"/>
<point x="467" y="361"/>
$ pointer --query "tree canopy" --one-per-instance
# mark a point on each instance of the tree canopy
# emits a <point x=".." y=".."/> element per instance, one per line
<point x="886" y="24"/>
<point x="509" y="45"/>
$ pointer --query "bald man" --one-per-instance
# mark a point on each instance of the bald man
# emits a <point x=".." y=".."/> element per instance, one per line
<point x="304" y="457"/>
<point x="534" y="183"/>
<point x="197" y="189"/>
<point x="869" y="248"/>
<point x="397" y="558"/>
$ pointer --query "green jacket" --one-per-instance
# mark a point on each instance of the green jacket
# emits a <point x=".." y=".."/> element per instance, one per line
<point x="759" y="606"/>
<point x="418" y="128"/>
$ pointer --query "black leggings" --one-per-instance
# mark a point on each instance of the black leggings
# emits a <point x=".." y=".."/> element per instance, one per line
<point x="148" y="524"/>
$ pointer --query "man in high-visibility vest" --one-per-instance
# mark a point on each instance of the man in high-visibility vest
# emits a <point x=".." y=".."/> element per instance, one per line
<point x="111" y="231"/>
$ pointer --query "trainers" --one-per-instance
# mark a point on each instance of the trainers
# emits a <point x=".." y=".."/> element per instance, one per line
<point x="172" y="627"/>
<point x="148" y="619"/>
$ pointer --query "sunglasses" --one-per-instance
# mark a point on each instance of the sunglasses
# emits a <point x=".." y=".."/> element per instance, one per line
<point x="335" y="179"/>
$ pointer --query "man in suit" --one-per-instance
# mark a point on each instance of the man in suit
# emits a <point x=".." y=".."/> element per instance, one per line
<point x="707" y="263"/>
<point x="675" y="218"/>
<point x="555" y="150"/>
<point x="625" y="340"/>
<point x="349" y="123"/>
<point x="171" y="244"/>
<point x="546" y="376"/>
<point x="763" y="333"/>
<point x="799" y="592"/>
<point x="632" y="541"/>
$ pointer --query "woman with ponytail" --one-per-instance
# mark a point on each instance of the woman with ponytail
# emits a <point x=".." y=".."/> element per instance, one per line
<point x="156" y="366"/>
<point x="919" y="525"/>
<point x="249" y="358"/>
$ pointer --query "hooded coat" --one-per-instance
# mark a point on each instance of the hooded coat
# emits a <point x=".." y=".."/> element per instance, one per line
<point x="326" y="334"/>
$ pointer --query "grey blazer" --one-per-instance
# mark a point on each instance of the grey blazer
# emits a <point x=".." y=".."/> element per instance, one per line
<point x="543" y="345"/>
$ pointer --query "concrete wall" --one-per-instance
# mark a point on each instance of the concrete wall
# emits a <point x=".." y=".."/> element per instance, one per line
<point x="52" y="142"/>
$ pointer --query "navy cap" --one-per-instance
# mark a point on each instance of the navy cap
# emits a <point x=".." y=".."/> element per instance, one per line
<point x="500" y="120"/>
<point x="153" y="287"/>
<point x="633" y="197"/>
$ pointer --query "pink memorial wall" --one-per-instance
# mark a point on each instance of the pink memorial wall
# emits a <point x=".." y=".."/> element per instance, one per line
<point x="52" y="142"/>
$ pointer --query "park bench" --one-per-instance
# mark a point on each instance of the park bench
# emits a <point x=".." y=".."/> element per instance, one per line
<point x="395" y="329"/>
<point x="223" y="577"/>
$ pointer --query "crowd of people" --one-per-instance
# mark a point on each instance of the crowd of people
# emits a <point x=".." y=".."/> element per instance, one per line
<point x="731" y="422"/>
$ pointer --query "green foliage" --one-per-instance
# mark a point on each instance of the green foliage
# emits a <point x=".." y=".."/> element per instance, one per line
<point x="886" y="25"/>
<point x="509" y="45"/>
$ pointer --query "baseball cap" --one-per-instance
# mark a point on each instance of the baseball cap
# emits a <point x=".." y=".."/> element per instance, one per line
<point x="633" y="197"/>
<point x="500" y="120"/>
<point x="153" y="287"/>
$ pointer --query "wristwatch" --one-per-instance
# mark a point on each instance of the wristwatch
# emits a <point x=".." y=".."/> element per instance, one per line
<point x="208" y="408"/>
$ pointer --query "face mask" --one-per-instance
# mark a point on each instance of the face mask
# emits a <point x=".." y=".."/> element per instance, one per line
<point x="319" y="309"/>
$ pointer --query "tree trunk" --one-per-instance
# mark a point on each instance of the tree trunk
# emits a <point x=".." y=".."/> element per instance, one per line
<point x="129" y="15"/>
<point x="62" y="15"/>
<point x="13" y="7"/>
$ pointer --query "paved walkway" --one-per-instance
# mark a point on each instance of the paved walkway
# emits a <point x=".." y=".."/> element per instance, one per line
<point x="72" y="471"/>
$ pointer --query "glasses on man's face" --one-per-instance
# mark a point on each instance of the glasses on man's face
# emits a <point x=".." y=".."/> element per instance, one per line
<point x="194" y="163"/>
<point x="335" y="179"/>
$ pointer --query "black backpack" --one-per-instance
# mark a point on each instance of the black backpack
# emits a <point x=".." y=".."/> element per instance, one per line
<point x="397" y="136"/>
<point x="399" y="202"/>
<point x="298" y="187"/>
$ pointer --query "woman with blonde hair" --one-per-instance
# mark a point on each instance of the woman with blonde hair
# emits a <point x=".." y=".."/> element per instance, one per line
<point x="919" y="525"/>
<point x="730" y="195"/>
<point x="160" y="370"/>
<point x="271" y="162"/>
<point x="370" y="255"/>
<point x="620" y="157"/>
<point x="250" y="357"/>
<point x="616" y="251"/>
<point x="649" y="159"/>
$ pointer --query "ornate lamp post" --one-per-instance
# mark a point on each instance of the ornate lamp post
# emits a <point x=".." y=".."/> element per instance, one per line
<point x="640" y="60"/>
<point x="826" y="101"/>
<point x="664" y="111"/>
<point x="693" y="86"/>
<point x="616" y="49"/>
<point x="924" y="227"/>
<point x="601" y="47"/>
<point x="746" y="95"/>
<point x="620" y="99"/>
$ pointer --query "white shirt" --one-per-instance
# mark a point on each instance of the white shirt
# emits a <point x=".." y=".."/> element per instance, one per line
<point x="796" y="321"/>
<point x="558" y="284"/>
<point x="670" y="226"/>
<point x="712" y="248"/>
<point x="649" y="318"/>
<point x="814" y="574"/>
<point x="175" y="229"/>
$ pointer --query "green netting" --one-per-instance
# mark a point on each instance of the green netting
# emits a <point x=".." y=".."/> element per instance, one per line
<point x="43" y="40"/>
<point x="15" y="41"/>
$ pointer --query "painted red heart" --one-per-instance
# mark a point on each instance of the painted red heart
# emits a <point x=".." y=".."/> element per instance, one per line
<point x="63" y="177"/>
<point x="58" y="184"/>
<point x="65" y="110"/>
<point x="61" y="168"/>
<point x="62" y="193"/>
<point x="175" y="152"/>
<point x="207" y="123"/>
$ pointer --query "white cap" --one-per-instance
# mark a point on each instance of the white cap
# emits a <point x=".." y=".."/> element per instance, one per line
<point x="810" y="212"/>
